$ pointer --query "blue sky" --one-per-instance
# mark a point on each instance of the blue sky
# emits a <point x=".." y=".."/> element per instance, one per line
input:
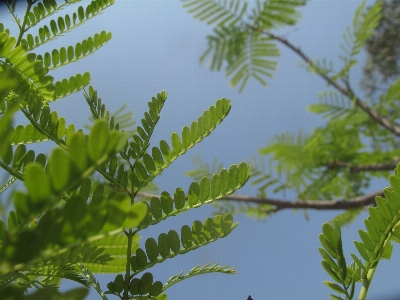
<point x="156" y="46"/>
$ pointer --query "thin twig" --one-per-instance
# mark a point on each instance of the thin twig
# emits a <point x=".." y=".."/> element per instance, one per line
<point x="394" y="128"/>
<point x="280" y="204"/>
<point x="363" y="168"/>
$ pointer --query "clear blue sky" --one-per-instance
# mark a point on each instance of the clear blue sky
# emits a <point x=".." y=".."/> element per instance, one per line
<point x="156" y="46"/>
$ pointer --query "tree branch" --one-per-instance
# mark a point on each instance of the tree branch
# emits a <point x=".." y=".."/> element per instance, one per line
<point x="279" y="204"/>
<point x="362" y="168"/>
<point x="394" y="128"/>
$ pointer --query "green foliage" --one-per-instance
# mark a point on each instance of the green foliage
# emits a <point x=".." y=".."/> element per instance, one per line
<point x="337" y="161"/>
<point x="381" y="228"/>
<point x="67" y="223"/>
<point x="240" y="39"/>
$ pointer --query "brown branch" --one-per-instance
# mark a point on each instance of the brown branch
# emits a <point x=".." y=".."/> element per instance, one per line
<point x="362" y="168"/>
<point x="279" y="204"/>
<point x="394" y="128"/>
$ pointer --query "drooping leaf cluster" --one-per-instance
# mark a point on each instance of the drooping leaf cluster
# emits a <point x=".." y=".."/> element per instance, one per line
<point x="67" y="224"/>
<point x="239" y="43"/>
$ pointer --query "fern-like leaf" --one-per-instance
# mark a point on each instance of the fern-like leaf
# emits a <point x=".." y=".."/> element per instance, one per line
<point x="116" y="246"/>
<point x="247" y="54"/>
<point x="355" y="37"/>
<point x="66" y="24"/>
<point x="162" y="157"/>
<point x="223" y="12"/>
<point x="198" y="270"/>
<point x="91" y="280"/>
<point x="43" y="10"/>
<point x="64" y="56"/>
<point x="331" y="105"/>
<point x="207" y="191"/>
<point x="272" y="14"/>
<point x="169" y="245"/>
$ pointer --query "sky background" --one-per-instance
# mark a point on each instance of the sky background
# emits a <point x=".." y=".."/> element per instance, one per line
<point x="156" y="46"/>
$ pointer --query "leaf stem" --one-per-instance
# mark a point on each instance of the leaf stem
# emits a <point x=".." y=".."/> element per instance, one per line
<point x="130" y="235"/>
<point x="22" y="27"/>
<point x="366" y="283"/>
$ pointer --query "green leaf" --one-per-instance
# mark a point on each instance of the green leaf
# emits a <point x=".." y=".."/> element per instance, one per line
<point x="176" y="143"/>
<point x="334" y="287"/>
<point x="59" y="169"/>
<point x="328" y="259"/>
<point x="227" y="12"/>
<point x="373" y="233"/>
<point x="146" y="282"/>
<point x="204" y="189"/>
<point x="157" y="156"/>
<point x="163" y="245"/>
<point x="149" y="163"/>
<point x="377" y="219"/>
<point x="98" y="139"/>
<point x="179" y="198"/>
<point x="366" y="240"/>
<point x="193" y="195"/>
<point x="166" y="151"/>
<point x="186" y="137"/>
<point x="330" y="272"/>
<point x="174" y="242"/>
<point x="186" y="236"/>
<point x="383" y="208"/>
<point x="156" y="289"/>
<point x="166" y="203"/>
<point x="35" y="177"/>
<point x="156" y="208"/>
<point x="152" y="249"/>
<point x="361" y="249"/>
<point x="330" y="234"/>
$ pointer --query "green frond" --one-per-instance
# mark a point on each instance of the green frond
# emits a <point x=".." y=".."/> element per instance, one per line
<point x="334" y="262"/>
<point x="45" y="9"/>
<point x="169" y="245"/>
<point x="247" y="55"/>
<point x="381" y="227"/>
<point x="116" y="120"/>
<point x="44" y="125"/>
<point x="272" y="14"/>
<point x="207" y="191"/>
<point x="364" y="23"/>
<point x="7" y="184"/>
<point x="75" y="83"/>
<point x="68" y="227"/>
<point x="49" y="273"/>
<point x="223" y="12"/>
<point x="64" y="170"/>
<point x="318" y="66"/>
<point x="144" y="286"/>
<point x="141" y="140"/>
<point x="62" y="25"/>
<point x="225" y="44"/>
<point x="198" y="270"/>
<point x="162" y="157"/>
<point x="116" y="246"/>
<point x="92" y="281"/>
<point x="332" y="105"/>
<point x="63" y="56"/>
<point x="86" y="253"/>
<point x="31" y="75"/>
